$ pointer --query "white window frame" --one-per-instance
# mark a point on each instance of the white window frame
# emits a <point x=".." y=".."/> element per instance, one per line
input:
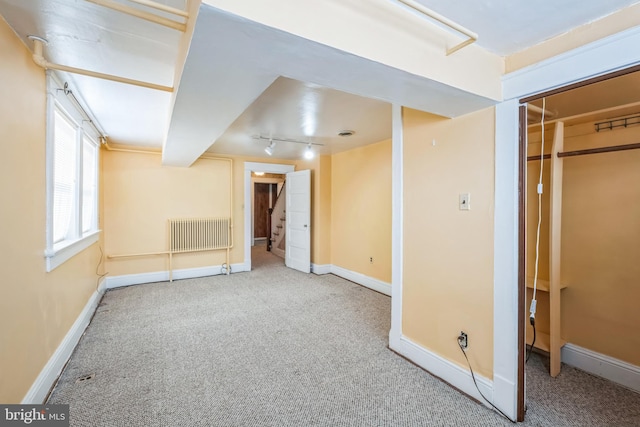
<point x="76" y="241"/>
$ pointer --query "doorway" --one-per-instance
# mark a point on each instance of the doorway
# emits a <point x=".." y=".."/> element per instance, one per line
<point x="266" y="189"/>
<point x="577" y="141"/>
<point x="249" y="168"/>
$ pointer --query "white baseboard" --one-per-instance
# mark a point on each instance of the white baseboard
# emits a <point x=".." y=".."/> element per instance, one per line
<point x="361" y="279"/>
<point x="48" y="376"/>
<point x="278" y="252"/>
<point x="442" y="368"/>
<point x="320" y="268"/>
<point x="163" y="276"/>
<point x="240" y="267"/>
<point x="598" y="364"/>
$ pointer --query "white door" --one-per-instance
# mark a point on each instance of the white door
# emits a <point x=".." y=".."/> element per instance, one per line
<point x="298" y="222"/>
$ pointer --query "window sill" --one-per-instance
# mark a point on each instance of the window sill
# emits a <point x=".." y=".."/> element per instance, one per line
<point x="65" y="251"/>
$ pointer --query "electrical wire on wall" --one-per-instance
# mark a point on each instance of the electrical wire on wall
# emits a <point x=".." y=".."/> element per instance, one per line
<point x="532" y="308"/>
<point x="100" y="276"/>
<point x="473" y="377"/>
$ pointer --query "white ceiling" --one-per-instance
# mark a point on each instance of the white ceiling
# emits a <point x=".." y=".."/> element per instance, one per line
<point x="231" y="86"/>
<point x="509" y="26"/>
<point x="85" y="35"/>
<point x="290" y="109"/>
<point x="232" y="61"/>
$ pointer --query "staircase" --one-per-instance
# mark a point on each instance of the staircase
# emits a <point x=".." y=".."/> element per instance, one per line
<point x="278" y="217"/>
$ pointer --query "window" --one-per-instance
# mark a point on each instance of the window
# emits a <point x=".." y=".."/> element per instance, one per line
<point x="72" y="180"/>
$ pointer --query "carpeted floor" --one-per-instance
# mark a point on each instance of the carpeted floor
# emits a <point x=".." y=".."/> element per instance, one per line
<point x="275" y="347"/>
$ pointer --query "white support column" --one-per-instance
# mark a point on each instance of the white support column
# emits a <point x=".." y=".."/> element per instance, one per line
<point x="505" y="299"/>
<point x="396" y="220"/>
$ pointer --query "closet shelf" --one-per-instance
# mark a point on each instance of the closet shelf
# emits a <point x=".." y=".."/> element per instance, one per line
<point x="543" y="341"/>
<point x="543" y="285"/>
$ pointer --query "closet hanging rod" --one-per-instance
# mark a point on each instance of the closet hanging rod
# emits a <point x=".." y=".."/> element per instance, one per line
<point x="585" y="151"/>
<point x="599" y="150"/>
<point x="534" y="158"/>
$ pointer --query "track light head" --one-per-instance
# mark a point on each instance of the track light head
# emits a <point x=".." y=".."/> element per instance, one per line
<point x="269" y="149"/>
<point x="308" y="153"/>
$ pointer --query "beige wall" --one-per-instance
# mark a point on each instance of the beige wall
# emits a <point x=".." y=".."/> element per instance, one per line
<point x="448" y="253"/>
<point x="600" y="250"/>
<point x="325" y="204"/>
<point x="588" y="33"/>
<point x="37" y="309"/>
<point x="141" y="195"/>
<point x="361" y="210"/>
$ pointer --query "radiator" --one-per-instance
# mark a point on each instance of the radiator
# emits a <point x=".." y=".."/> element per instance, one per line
<point x="194" y="235"/>
<point x="199" y="234"/>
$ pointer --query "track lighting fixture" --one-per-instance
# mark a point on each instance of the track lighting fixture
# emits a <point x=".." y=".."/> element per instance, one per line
<point x="269" y="149"/>
<point x="308" y="153"/>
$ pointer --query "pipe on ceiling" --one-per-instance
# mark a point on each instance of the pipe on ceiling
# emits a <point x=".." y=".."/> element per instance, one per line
<point x="39" y="59"/>
<point x="473" y="37"/>
<point x="151" y="17"/>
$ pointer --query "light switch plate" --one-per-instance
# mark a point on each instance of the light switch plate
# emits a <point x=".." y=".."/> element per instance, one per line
<point x="465" y="201"/>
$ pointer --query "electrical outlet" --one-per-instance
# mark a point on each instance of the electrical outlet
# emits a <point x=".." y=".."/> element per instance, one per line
<point x="371" y="260"/>
<point x="463" y="339"/>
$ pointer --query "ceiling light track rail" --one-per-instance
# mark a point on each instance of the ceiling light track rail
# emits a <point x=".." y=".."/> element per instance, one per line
<point x="38" y="58"/>
<point x="270" y="139"/>
<point x="148" y="16"/>
<point x="472" y="37"/>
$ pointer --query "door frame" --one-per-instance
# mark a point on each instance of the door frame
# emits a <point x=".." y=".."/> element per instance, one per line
<point x="248" y="209"/>
<point x="598" y="60"/>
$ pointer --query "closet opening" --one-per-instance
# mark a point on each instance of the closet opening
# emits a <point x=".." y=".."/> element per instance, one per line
<point x="580" y="227"/>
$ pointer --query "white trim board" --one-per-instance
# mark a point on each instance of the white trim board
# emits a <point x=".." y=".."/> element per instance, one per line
<point x="616" y="52"/>
<point x="505" y="260"/>
<point x="353" y="276"/>
<point x="615" y="370"/>
<point x="163" y="276"/>
<point x="320" y="268"/>
<point x="49" y="375"/>
<point x="361" y="279"/>
<point x="447" y="371"/>
<point x="397" y="218"/>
